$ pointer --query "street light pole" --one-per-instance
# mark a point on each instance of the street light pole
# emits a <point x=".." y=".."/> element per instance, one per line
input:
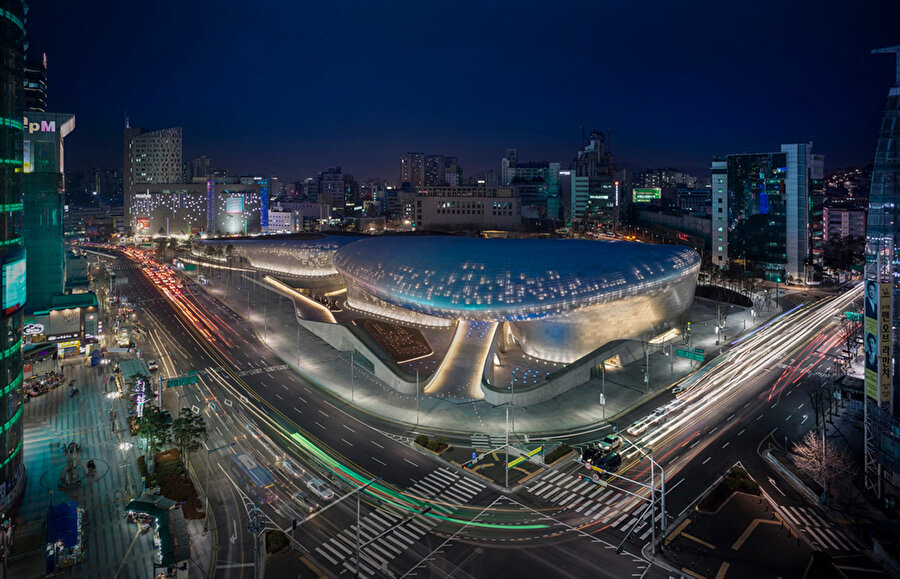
<point x="352" y="385"/>
<point x="417" y="396"/>
<point x="506" y="465"/>
<point x="603" y="387"/>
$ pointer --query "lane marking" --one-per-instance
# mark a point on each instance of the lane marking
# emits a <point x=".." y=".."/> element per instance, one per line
<point x="411" y="462"/>
<point x="726" y="444"/>
<point x="742" y="432"/>
<point x="347" y="441"/>
<point x="319" y="425"/>
<point x="707" y="460"/>
<point x="376" y="444"/>
<point x="322" y="412"/>
<point x="378" y="461"/>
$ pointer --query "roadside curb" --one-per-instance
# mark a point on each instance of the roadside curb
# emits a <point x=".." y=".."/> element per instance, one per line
<point x="790" y="477"/>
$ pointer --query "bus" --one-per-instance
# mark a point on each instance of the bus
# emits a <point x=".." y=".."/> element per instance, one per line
<point x="256" y="480"/>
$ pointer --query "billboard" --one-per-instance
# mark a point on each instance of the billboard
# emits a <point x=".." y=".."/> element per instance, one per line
<point x="13" y="285"/>
<point x="143" y="225"/>
<point x="234" y="205"/>
<point x="26" y="156"/>
<point x="646" y="194"/>
<point x="877" y="338"/>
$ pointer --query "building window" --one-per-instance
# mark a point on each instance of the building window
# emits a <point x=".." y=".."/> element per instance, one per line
<point x="720" y="229"/>
<point x="720" y="209"/>
<point x="720" y="248"/>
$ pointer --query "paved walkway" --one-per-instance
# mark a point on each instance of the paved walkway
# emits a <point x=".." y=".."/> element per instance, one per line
<point x="114" y="548"/>
<point x="272" y="316"/>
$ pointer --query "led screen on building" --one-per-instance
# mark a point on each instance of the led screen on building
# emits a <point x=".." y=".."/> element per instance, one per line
<point x="645" y="195"/>
<point x="13" y="285"/>
<point x="143" y="225"/>
<point x="234" y="205"/>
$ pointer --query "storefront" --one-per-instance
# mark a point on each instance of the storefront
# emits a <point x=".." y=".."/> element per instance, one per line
<point x="65" y="536"/>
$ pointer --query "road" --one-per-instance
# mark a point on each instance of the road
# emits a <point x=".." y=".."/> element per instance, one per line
<point x="421" y="516"/>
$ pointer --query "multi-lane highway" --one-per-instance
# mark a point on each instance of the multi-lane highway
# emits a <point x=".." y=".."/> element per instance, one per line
<point x="424" y="517"/>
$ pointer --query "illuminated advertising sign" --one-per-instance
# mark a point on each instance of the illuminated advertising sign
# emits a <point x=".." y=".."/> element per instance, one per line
<point x="877" y="341"/>
<point x="13" y="285"/>
<point x="143" y="225"/>
<point x="234" y="205"/>
<point x="646" y="195"/>
<point x="26" y="156"/>
<point x="43" y="126"/>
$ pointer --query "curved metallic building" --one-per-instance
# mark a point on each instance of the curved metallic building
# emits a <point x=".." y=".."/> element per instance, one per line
<point x="305" y="255"/>
<point x="563" y="298"/>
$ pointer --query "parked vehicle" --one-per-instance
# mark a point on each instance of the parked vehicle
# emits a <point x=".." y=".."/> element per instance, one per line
<point x="152" y="365"/>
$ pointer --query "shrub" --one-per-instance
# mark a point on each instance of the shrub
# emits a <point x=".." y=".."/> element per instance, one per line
<point x="422" y="440"/>
<point x="557" y="453"/>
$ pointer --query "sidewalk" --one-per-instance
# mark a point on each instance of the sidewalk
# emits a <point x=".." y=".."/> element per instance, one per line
<point x="113" y="547"/>
<point x="273" y="318"/>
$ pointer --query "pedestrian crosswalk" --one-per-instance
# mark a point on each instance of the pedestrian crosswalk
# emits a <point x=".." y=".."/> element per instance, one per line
<point x="822" y="533"/>
<point x="386" y="533"/>
<point x="590" y="500"/>
<point x="481" y="441"/>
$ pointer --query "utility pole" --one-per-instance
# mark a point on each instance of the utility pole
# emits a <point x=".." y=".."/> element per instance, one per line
<point x="352" y="385"/>
<point x="417" y="396"/>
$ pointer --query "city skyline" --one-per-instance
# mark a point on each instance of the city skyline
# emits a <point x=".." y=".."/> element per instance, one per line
<point x="678" y="89"/>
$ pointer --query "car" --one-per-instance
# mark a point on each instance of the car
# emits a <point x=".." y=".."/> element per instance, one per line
<point x="590" y="455"/>
<point x="303" y="500"/>
<point x="610" y="462"/>
<point x="152" y="365"/>
<point x="610" y="443"/>
<point x="679" y="390"/>
<point x="292" y="468"/>
<point x="320" y="488"/>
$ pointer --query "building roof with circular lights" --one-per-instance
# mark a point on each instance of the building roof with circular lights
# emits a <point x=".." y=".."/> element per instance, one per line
<point x="508" y="279"/>
<point x="305" y="255"/>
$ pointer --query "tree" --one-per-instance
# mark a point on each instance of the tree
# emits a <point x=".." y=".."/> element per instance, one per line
<point x="821" y="460"/>
<point x="155" y="427"/>
<point x="818" y="399"/>
<point x="188" y="432"/>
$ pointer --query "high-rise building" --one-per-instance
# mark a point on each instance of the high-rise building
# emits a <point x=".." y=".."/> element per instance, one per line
<point x="151" y="158"/>
<point x="36" y="83"/>
<point x="506" y="164"/>
<point x="412" y="169"/>
<point x="201" y="168"/>
<point x="592" y="186"/>
<point x="12" y="251"/>
<point x="539" y="189"/>
<point x="882" y="310"/>
<point x="767" y="211"/>
<point x="43" y="202"/>
<point x="331" y="188"/>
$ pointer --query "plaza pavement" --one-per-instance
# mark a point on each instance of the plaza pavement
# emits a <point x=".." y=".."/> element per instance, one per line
<point x="114" y="547"/>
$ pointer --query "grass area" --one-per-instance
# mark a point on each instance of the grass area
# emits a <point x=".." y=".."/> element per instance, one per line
<point x="276" y="541"/>
<point x="401" y="342"/>
<point x="175" y="484"/>
<point x="737" y="480"/>
<point x="437" y="445"/>
<point x="557" y="453"/>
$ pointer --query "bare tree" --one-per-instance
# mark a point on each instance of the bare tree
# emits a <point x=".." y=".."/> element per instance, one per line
<point x="818" y="399"/>
<point x="821" y="460"/>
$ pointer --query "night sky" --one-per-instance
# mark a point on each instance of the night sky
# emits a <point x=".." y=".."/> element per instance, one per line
<point x="291" y="87"/>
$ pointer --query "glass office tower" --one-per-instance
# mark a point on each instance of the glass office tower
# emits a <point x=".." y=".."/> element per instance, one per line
<point x="12" y="250"/>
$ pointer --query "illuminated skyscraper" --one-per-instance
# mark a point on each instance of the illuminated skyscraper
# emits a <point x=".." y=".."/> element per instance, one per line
<point x="12" y="251"/>
<point x="412" y="169"/>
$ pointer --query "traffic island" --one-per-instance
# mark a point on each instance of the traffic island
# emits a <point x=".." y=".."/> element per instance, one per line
<point x="741" y="536"/>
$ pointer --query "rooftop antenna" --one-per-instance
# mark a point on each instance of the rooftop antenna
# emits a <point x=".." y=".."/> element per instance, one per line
<point x="127" y="124"/>
<point x="889" y="50"/>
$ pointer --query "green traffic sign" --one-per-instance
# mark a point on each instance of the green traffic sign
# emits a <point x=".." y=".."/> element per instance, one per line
<point x="191" y="378"/>
<point x="690" y="355"/>
<point x="854" y="316"/>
